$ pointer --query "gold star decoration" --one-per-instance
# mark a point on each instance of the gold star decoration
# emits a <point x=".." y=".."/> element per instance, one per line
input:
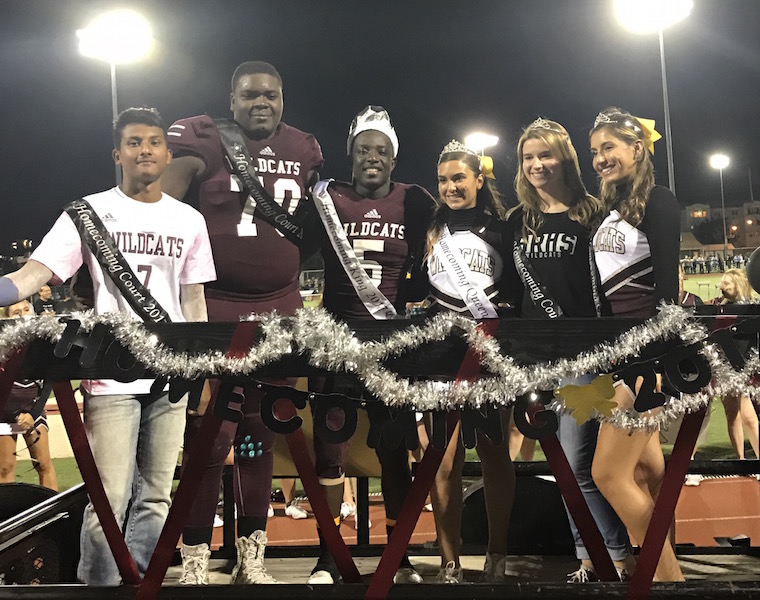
<point x="581" y="400"/>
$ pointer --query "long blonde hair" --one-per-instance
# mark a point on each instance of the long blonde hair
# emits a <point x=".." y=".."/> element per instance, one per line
<point x="584" y="208"/>
<point x="743" y="288"/>
<point x="624" y="126"/>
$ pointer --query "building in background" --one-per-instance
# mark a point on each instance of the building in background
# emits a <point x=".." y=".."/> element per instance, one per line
<point x="702" y="228"/>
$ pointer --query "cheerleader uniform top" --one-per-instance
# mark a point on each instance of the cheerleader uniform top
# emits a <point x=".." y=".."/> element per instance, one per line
<point x="482" y="241"/>
<point x="638" y="265"/>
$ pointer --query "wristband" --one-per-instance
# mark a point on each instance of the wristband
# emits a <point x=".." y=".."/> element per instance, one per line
<point x="8" y="292"/>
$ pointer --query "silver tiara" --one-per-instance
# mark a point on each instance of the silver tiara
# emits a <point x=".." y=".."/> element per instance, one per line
<point x="622" y="120"/>
<point x="603" y="118"/>
<point x="455" y="146"/>
<point x="542" y="123"/>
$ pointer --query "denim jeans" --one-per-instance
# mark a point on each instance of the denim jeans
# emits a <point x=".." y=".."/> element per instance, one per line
<point x="135" y="441"/>
<point x="579" y="444"/>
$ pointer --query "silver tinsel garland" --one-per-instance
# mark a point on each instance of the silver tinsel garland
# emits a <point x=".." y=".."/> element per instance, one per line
<point x="332" y="346"/>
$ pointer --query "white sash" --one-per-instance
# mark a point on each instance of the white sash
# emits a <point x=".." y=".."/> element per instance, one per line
<point x="460" y="275"/>
<point x="373" y="299"/>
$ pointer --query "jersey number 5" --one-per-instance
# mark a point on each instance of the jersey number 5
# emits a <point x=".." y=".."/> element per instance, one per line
<point x="283" y="188"/>
<point x="373" y="268"/>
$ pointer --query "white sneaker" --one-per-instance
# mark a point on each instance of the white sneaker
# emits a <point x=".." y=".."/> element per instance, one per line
<point x="270" y="512"/>
<point x="356" y="522"/>
<point x="219" y="522"/>
<point x="324" y="572"/>
<point x="495" y="569"/>
<point x="692" y="480"/>
<point x="194" y="564"/>
<point x="346" y="510"/>
<point x="450" y="574"/>
<point x="407" y="575"/>
<point x="250" y="560"/>
<point x="294" y="511"/>
<point x="320" y="577"/>
<point x="428" y="507"/>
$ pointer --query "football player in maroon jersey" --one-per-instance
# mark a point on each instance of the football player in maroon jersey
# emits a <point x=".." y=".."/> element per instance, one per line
<point x="257" y="271"/>
<point x="380" y="225"/>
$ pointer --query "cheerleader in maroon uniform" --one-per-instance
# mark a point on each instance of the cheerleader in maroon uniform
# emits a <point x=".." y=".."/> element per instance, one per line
<point x="26" y="407"/>
<point x="636" y="249"/>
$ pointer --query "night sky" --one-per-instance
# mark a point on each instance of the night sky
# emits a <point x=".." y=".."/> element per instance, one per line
<point x="441" y="69"/>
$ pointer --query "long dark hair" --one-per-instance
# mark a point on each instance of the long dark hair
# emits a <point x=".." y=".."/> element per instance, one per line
<point x="488" y="198"/>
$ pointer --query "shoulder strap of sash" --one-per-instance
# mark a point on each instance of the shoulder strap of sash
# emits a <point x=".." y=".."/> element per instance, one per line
<point x="595" y="283"/>
<point x="241" y="164"/>
<point x="373" y="299"/>
<point x="101" y="244"/>
<point x="540" y="296"/>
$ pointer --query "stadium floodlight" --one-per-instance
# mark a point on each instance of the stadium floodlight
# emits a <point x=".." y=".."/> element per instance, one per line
<point x="720" y="161"/>
<point x="116" y="37"/>
<point x="479" y="141"/>
<point x="654" y="16"/>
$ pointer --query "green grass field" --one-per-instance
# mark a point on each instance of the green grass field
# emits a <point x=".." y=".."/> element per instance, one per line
<point x="705" y="286"/>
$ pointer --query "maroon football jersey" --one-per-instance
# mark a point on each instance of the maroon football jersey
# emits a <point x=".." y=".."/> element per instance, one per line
<point x="382" y="235"/>
<point x="254" y="262"/>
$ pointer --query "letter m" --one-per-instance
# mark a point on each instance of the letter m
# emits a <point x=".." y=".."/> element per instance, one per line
<point x="393" y="427"/>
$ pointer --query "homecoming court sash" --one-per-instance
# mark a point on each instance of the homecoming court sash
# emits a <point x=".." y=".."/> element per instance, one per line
<point x="101" y="244"/>
<point x="459" y="273"/>
<point x="242" y="165"/>
<point x="373" y="299"/>
<point x="539" y="294"/>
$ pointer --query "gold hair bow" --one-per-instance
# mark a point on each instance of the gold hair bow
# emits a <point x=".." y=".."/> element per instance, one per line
<point x="486" y="166"/>
<point x="651" y="135"/>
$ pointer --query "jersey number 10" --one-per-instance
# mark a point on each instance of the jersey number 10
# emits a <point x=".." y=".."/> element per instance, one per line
<point x="283" y="187"/>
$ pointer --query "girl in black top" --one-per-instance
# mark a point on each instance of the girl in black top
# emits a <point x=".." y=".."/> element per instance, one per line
<point x="552" y="231"/>
<point x="553" y="222"/>
<point x="636" y="249"/>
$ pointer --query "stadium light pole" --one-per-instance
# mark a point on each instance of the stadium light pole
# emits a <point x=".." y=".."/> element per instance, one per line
<point x="720" y="162"/>
<point x="116" y="37"/>
<point x="654" y="16"/>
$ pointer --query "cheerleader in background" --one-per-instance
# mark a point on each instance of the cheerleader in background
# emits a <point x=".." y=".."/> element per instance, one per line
<point x="740" y="413"/>
<point x="26" y="408"/>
